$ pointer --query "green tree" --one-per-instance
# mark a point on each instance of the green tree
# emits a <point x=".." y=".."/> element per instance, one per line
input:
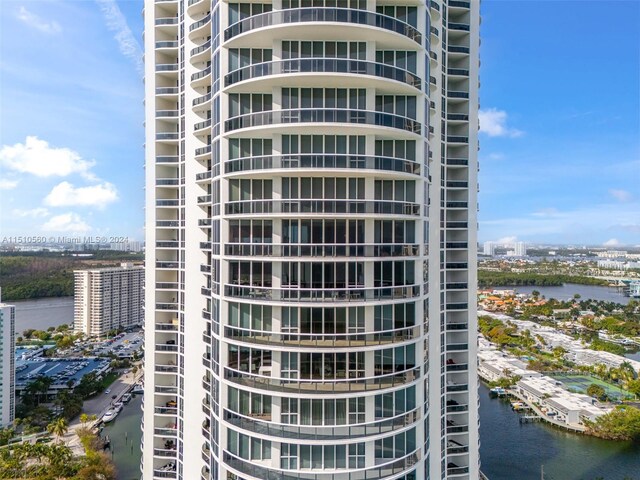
<point x="634" y="387"/>
<point x="596" y="391"/>
<point x="622" y="423"/>
<point x="559" y="352"/>
<point x="6" y="434"/>
<point x="58" y="428"/>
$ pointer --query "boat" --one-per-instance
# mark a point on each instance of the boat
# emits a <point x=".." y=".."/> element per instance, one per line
<point x="118" y="406"/>
<point x="109" y="416"/>
<point x="498" y="391"/>
<point x="137" y="388"/>
<point x="126" y="398"/>
<point x="517" y="406"/>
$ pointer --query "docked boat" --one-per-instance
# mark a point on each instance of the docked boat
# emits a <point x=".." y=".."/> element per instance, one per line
<point x="498" y="391"/>
<point x="118" y="406"/>
<point x="126" y="398"/>
<point x="110" y="416"/>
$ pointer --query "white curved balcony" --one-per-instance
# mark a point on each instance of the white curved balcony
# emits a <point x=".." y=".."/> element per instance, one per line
<point x="346" y="117"/>
<point x="319" y="342"/>
<point x="334" y="72"/>
<point x="313" y="162"/>
<point x="387" y="470"/>
<point x="304" y="296"/>
<point x="325" y="23"/>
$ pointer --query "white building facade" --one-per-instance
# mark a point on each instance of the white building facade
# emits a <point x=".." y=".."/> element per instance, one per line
<point x="311" y="174"/>
<point x="7" y="364"/>
<point x="107" y="299"/>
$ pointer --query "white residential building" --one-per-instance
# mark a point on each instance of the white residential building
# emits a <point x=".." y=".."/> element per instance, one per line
<point x="7" y="364"/>
<point x="108" y="299"/>
<point x="520" y="249"/>
<point x="489" y="248"/>
<point x="311" y="197"/>
<point x="558" y="403"/>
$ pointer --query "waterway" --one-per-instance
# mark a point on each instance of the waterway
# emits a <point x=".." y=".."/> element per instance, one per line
<point x="568" y="290"/>
<point x="508" y="451"/>
<point x="126" y="436"/>
<point x="512" y="451"/>
<point x="43" y="313"/>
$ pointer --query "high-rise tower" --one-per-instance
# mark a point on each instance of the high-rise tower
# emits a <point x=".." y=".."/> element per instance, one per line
<point x="311" y="172"/>
<point x="7" y="364"/>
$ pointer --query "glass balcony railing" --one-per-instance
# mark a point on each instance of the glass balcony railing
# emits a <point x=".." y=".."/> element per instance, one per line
<point x="322" y="387"/>
<point x="322" y="115"/>
<point x="239" y="249"/>
<point x="324" y="207"/>
<point x="258" y="425"/>
<point x="337" y="340"/>
<point x="321" y="14"/>
<point x="200" y="23"/>
<point x="346" y="294"/>
<point x="322" y="160"/>
<point x="323" y="65"/>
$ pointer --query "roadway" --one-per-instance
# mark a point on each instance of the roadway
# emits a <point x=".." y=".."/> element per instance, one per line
<point x="98" y="406"/>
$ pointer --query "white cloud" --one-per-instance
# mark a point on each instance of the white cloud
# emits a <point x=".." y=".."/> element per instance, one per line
<point x="34" y="212"/>
<point x="620" y="195"/>
<point x="65" y="194"/>
<point x="36" y="157"/>
<point x="507" y="240"/>
<point x="6" y="184"/>
<point x="546" y="212"/>
<point x="586" y="224"/>
<point x="37" y="22"/>
<point x="67" y="222"/>
<point x="612" y="242"/>
<point x="493" y="122"/>
<point x="116" y="22"/>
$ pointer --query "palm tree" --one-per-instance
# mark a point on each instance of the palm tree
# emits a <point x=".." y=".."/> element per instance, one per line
<point x="58" y="428"/>
<point x="627" y="371"/>
<point x="84" y="419"/>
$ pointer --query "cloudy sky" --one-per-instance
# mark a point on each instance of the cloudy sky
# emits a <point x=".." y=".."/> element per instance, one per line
<point x="560" y="120"/>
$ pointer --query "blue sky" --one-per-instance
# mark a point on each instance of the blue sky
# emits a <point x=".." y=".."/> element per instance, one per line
<point x="560" y="120"/>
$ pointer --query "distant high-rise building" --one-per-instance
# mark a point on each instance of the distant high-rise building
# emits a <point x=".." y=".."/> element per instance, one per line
<point x="311" y="192"/>
<point x="134" y="246"/>
<point x="108" y="299"/>
<point x="7" y="363"/>
<point x="489" y="248"/>
<point x="520" y="249"/>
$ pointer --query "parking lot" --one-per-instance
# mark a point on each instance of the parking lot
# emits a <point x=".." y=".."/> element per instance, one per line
<point x="122" y="345"/>
<point x="60" y="370"/>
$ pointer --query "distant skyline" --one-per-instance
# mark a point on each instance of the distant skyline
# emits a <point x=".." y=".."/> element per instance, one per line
<point x="560" y="120"/>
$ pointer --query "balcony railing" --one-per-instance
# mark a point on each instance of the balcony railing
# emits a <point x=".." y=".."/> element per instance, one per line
<point x="462" y="27"/>
<point x="237" y="249"/>
<point x="321" y="14"/>
<point x="349" y="294"/>
<point x="323" y="115"/>
<point x="458" y="49"/>
<point x="261" y="424"/>
<point x="322" y="160"/>
<point x="324" y="207"/>
<point x="206" y="45"/>
<point x="167" y="21"/>
<point x="200" y="23"/>
<point x="338" y="340"/>
<point x="322" y="387"/>
<point x="323" y="65"/>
